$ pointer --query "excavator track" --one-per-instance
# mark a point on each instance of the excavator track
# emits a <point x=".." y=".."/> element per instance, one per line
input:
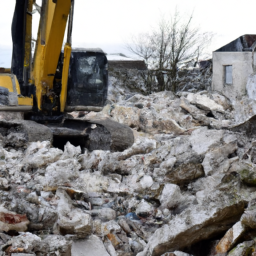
<point x="93" y="134"/>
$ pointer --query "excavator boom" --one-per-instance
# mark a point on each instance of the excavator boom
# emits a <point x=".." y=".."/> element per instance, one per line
<point x="48" y="48"/>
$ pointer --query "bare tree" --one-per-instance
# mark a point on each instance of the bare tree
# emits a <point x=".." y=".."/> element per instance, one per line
<point x="171" y="42"/>
<point x="141" y="46"/>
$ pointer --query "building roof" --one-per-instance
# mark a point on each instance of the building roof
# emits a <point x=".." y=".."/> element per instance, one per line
<point x="117" y="61"/>
<point x="87" y="50"/>
<point x="118" y="56"/>
<point x="245" y="43"/>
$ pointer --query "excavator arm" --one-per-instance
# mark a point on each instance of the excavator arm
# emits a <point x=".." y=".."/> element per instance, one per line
<point x="54" y="18"/>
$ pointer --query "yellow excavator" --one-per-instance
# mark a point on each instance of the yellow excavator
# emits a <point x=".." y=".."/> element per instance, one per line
<point x="53" y="82"/>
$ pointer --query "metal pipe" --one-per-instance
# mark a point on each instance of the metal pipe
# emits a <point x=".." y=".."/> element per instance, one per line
<point x="43" y="21"/>
<point x="83" y="108"/>
<point x="70" y="23"/>
<point x="16" y="108"/>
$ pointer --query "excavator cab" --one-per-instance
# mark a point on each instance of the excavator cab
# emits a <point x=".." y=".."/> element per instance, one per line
<point x="87" y="80"/>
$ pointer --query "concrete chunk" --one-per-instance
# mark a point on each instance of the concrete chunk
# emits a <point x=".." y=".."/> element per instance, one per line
<point x="92" y="246"/>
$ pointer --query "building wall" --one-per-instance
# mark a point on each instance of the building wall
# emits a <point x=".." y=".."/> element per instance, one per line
<point x="242" y="66"/>
<point x="132" y="64"/>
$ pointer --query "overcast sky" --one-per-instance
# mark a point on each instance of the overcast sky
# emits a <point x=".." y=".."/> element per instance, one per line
<point x="110" y="23"/>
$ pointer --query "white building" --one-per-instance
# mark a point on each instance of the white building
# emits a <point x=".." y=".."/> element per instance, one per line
<point x="232" y="66"/>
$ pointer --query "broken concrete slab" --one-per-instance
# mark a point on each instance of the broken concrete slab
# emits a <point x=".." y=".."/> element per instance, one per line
<point x="105" y="214"/>
<point x="230" y="238"/>
<point x="168" y="126"/>
<point x="243" y="249"/>
<point x="92" y="246"/>
<point x="55" y="244"/>
<point x="247" y="127"/>
<point x="70" y="151"/>
<point x="248" y="219"/>
<point x="144" y="208"/>
<point x="170" y="196"/>
<point x="185" y="173"/>
<point x="72" y="220"/>
<point x="204" y="102"/>
<point x="194" y="225"/>
<point x="221" y="100"/>
<point x="61" y="173"/>
<point x="141" y="146"/>
<point x="203" y="139"/>
<point x="109" y="247"/>
<point x="215" y="159"/>
<point x="146" y="182"/>
<point x="23" y="243"/>
<point x="12" y="221"/>
<point x="39" y="154"/>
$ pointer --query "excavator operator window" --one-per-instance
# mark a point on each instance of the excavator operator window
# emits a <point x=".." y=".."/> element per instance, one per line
<point x="88" y="83"/>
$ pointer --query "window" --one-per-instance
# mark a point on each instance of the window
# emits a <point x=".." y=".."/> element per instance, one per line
<point x="228" y="74"/>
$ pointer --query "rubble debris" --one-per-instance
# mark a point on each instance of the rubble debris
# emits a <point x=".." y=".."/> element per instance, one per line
<point x="169" y="191"/>
<point x="244" y="248"/>
<point x="72" y="220"/>
<point x="196" y="224"/>
<point x="11" y="221"/>
<point x="230" y="238"/>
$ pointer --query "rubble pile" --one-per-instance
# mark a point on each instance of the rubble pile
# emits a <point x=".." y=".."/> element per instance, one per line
<point x="124" y="82"/>
<point x="187" y="186"/>
<point x="195" y="79"/>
